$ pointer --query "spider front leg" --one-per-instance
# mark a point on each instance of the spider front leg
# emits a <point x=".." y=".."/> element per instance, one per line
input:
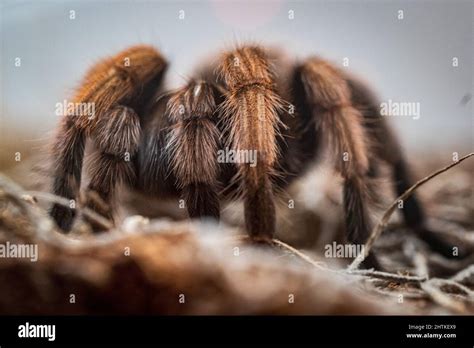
<point x="68" y="151"/>
<point x="250" y="117"/>
<point x="328" y="99"/>
<point x="116" y="138"/>
<point x="192" y="144"/>
<point x="128" y="78"/>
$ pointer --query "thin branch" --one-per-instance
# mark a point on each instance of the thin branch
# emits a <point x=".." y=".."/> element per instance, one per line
<point x="417" y="259"/>
<point x="303" y="256"/>
<point x="377" y="230"/>
<point x="444" y="300"/>
<point x="364" y="273"/>
<point x="387" y="276"/>
<point x="464" y="274"/>
<point x="103" y="222"/>
<point x="14" y="192"/>
<point x="451" y="284"/>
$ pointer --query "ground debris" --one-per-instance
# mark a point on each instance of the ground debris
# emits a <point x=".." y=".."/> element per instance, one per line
<point x="162" y="266"/>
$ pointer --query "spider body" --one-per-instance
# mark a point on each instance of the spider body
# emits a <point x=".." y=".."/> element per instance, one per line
<point x="250" y="100"/>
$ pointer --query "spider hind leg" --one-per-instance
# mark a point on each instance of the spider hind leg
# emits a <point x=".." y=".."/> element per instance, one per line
<point x="387" y="148"/>
<point x="327" y="98"/>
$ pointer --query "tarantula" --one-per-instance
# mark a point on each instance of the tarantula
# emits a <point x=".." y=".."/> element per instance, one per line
<point x="164" y="143"/>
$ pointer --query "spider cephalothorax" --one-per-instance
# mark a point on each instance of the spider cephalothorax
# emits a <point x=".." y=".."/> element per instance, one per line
<point x="249" y="100"/>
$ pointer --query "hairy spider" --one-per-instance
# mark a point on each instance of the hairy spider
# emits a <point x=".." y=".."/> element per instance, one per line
<point x="250" y="99"/>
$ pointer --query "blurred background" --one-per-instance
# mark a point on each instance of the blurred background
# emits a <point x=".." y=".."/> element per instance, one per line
<point x="405" y="56"/>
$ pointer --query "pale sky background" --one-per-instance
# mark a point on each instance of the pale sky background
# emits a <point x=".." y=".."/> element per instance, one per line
<point x="406" y="60"/>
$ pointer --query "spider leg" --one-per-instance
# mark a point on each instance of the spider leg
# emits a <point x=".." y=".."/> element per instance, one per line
<point x="250" y="115"/>
<point x="192" y="145"/>
<point x="387" y="147"/>
<point x="109" y="91"/>
<point x="413" y="212"/>
<point x="116" y="138"/>
<point x="328" y="99"/>
<point x="68" y="153"/>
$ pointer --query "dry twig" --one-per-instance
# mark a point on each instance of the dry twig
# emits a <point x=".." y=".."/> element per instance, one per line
<point x="388" y="213"/>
